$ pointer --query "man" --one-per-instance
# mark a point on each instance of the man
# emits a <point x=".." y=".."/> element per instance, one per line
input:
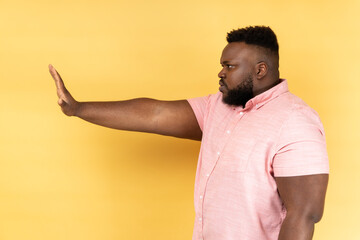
<point x="263" y="169"/>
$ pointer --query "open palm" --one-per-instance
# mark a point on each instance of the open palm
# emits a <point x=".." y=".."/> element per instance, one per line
<point x="68" y="104"/>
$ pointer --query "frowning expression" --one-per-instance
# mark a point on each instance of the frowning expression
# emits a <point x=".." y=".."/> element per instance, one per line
<point x="238" y="63"/>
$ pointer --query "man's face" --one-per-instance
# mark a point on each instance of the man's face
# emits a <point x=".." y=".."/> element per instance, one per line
<point x="236" y="77"/>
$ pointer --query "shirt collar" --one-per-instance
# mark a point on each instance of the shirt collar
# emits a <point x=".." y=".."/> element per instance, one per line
<point x="265" y="97"/>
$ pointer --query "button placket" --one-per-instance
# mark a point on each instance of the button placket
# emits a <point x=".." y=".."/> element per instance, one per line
<point x="227" y="137"/>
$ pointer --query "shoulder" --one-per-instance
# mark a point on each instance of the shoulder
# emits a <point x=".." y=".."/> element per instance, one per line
<point x="301" y="113"/>
<point x="207" y="102"/>
<point x="300" y="121"/>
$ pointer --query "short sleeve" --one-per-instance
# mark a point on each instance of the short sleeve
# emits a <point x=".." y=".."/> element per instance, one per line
<point x="199" y="105"/>
<point x="301" y="148"/>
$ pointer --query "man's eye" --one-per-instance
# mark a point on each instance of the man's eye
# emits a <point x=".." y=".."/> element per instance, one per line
<point x="230" y="66"/>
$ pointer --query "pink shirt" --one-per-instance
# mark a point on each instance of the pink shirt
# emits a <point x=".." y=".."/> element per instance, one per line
<point x="242" y="150"/>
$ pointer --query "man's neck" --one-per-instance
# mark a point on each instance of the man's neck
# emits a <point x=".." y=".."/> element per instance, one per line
<point x="267" y="87"/>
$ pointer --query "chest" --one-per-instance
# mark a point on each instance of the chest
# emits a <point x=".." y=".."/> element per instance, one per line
<point x="233" y="140"/>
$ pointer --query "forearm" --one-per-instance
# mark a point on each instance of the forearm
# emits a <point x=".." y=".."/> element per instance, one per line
<point x="133" y="115"/>
<point x="297" y="227"/>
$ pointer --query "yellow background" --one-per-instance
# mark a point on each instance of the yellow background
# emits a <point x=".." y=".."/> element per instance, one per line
<point x="62" y="178"/>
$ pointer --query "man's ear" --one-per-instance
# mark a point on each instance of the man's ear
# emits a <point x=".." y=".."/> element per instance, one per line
<point x="261" y="70"/>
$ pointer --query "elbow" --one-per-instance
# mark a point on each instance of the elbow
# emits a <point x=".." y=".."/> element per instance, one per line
<point x="315" y="216"/>
<point x="315" y="213"/>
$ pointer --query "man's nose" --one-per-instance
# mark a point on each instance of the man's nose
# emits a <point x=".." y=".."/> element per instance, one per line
<point x="221" y="73"/>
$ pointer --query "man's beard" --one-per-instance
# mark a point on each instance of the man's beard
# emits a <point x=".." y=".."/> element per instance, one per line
<point x="241" y="94"/>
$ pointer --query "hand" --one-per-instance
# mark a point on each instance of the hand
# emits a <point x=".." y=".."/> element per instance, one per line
<point x="68" y="104"/>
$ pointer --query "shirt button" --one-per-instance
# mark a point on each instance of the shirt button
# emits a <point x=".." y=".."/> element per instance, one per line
<point x="218" y="153"/>
<point x="241" y="113"/>
<point x="207" y="174"/>
<point x="201" y="196"/>
<point x="228" y="131"/>
<point x="257" y="105"/>
<point x="200" y="219"/>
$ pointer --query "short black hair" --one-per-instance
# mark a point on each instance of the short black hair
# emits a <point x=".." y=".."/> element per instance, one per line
<point x="255" y="35"/>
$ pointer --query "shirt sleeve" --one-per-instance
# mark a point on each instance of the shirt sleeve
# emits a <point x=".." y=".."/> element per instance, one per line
<point x="199" y="105"/>
<point x="301" y="148"/>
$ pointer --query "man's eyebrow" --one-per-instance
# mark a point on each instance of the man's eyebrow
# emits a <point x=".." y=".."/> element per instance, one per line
<point x="229" y="62"/>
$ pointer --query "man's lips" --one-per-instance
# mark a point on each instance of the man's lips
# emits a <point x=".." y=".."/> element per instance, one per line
<point x="222" y="83"/>
<point x="222" y="86"/>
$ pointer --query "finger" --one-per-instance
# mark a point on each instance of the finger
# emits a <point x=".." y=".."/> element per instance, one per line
<point x="56" y="76"/>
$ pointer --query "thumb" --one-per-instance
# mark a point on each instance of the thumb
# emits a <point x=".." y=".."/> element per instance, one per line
<point x="61" y="102"/>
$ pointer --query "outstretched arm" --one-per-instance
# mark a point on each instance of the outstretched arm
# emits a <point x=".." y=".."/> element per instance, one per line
<point x="172" y="118"/>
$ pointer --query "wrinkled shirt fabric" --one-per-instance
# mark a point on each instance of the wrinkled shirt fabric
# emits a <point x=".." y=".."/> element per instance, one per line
<point x="242" y="150"/>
